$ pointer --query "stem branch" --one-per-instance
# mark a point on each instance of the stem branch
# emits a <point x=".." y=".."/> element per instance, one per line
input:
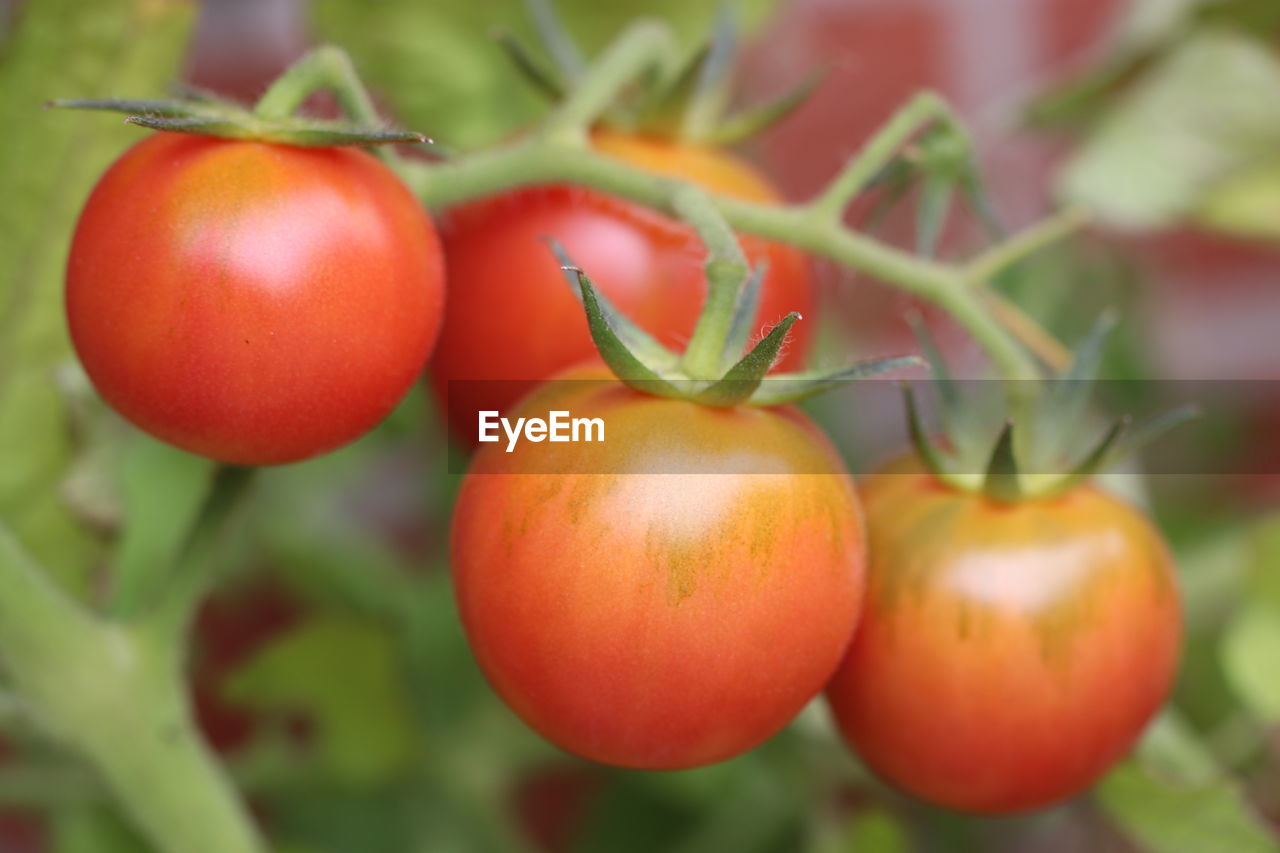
<point x="727" y="272"/>
<point x="642" y="46"/>
<point x="921" y="111"/>
<point x="991" y="263"/>
<point x="115" y="695"/>
<point x="325" y="68"/>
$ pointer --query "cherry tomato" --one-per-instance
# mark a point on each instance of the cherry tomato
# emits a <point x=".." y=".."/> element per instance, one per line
<point x="1007" y="654"/>
<point x="249" y="302"/>
<point x="510" y="314"/>
<point x="676" y="596"/>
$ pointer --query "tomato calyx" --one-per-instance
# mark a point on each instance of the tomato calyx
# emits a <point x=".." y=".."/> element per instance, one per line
<point x="1032" y="459"/>
<point x="642" y="363"/>
<point x="204" y="113"/>
<point x="685" y="98"/>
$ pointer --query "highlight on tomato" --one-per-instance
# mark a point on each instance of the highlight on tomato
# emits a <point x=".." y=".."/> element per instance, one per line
<point x="510" y="322"/>
<point x="1021" y="626"/>
<point x="249" y="301"/>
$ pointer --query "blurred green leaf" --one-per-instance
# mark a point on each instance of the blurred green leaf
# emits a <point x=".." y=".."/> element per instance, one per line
<point x="877" y="831"/>
<point x="1251" y="659"/>
<point x="330" y="820"/>
<point x="442" y="72"/>
<point x="92" y="829"/>
<point x="48" y="161"/>
<point x="1246" y="203"/>
<point x="343" y="675"/>
<point x="1166" y="817"/>
<point x="1170" y="750"/>
<point x="1199" y="114"/>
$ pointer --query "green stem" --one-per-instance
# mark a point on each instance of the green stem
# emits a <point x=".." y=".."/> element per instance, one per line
<point x="324" y="68"/>
<point x="539" y="161"/>
<point x="191" y="573"/>
<point x="642" y="46"/>
<point x="116" y="696"/>
<point x="921" y="111"/>
<point x="727" y="272"/>
<point x="991" y="263"/>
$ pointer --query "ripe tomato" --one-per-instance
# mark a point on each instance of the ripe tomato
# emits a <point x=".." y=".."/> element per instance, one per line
<point x="676" y="596"/>
<point x="1007" y="654"/>
<point x="510" y="315"/>
<point x="249" y="302"/>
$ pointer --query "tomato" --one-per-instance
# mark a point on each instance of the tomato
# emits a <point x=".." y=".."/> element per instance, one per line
<point x="678" y="594"/>
<point x="249" y="302"/>
<point x="1007" y="654"/>
<point x="510" y="315"/>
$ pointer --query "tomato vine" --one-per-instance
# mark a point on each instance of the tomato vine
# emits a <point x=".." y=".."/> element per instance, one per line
<point x="134" y="723"/>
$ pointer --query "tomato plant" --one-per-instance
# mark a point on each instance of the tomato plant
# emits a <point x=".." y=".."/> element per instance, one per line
<point x="250" y="302"/>
<point x="679" y="600"/>
<point x="1007" y="654"/>
<point x="510" y="316"/>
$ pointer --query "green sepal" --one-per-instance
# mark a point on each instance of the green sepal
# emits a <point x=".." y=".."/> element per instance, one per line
<point x="979" y="201"/>
<point x="664" y="96"/>
<point x="745" y="309"/>
<point x="793" y="387"/>
<point x="1064" y="406"/>
<point x="227" y="121"/>
<point x="647" y="350"/>
<point x="745" y="124"/>
<point x="1141" y="436"/>
<point x="704" y="106"/>
<point x="550" y="83"/>
<point x="555" y="37"/>
<point x="314" y="134"/>
<point x="621" y="360"/>
<point x="1002" y="482"/>
<point x="742" y="380"/>
<point x="930" y="454"/>
<point x="931" y="213"/>
<point x="301" y="133"/>
<point x="959" y="425"/>
<point x="160" y="107"/>
<point x="1091" y="464"/>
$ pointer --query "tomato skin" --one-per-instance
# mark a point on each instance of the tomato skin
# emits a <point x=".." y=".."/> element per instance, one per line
<point x="249" y="302"/>
<point x="510" y="315"/>
<point x="652" y="619"/>
<point x="1007" y="655"/>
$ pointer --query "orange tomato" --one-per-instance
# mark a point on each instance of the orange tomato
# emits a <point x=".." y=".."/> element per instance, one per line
<point x="669" y="597"/>
<point x="1007" y="654"/>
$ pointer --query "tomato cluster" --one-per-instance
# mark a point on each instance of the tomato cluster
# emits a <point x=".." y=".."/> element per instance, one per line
<point x="675" y="595"/>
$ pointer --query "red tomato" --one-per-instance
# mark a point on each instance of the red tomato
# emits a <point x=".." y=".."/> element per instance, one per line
<point x="679" y="594"/>
<point x="253" y="303"/>
<point x="1007" y="654"/>
<point x="510" y="314"/>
